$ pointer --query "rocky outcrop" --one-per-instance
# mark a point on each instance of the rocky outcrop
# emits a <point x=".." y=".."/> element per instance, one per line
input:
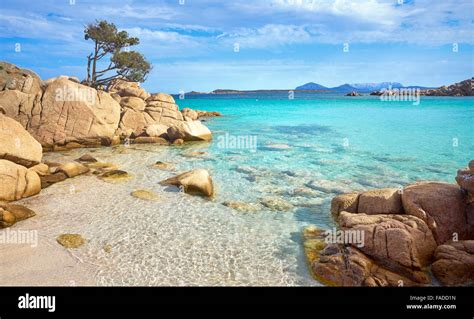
<point x="440" y="205"/>
<point x="344" y="202"/>
<point x="156" y="109"/>
<point x="353" y="93"/>
<point x="195" y="182"/>
<point x="193" y="115"/>
<point x="465" y="180"/>
<point x="63" y="114"/>
<point x="17" y="181"/>
<point x="157" y="130"/>
<point x="11" y="214"/>
<point x="454" y="265"/>
<point x="404" y="233"/>
<point x="401" y="243"/>
<point x="337" y="265"/>
<point x="17" y="145"/>
<point x="73" y="112"/>
<point x="67" y="112"/>
<point x="380" y="201"/>
<point x="190" y="131"/>
<point x="463" y="88"/>
<point x="14" y="78"/>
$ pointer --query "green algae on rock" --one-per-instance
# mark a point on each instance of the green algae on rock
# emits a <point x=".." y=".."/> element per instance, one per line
<point x="243" y="206"/>
<point x="71" y="240"/>
<point x="144" y="194"/>
<point x="115" y="176"/>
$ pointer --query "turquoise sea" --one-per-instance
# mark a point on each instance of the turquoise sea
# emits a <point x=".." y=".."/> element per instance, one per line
<point x="307" y="150"/>
<point x="360" y="142"/>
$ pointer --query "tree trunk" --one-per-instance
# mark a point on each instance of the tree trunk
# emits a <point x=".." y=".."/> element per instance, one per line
<point x="94" y="64"/>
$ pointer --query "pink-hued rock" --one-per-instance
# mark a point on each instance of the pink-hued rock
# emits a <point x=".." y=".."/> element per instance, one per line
<point x="440" y="205"/>
<point x="465" y="180"/>
<point x="344" y="202"/>
<point x="339" y="266"/>
<point x="380" y="201"/>
<point x="454" y="265"/>
<point x="403" y="243"/>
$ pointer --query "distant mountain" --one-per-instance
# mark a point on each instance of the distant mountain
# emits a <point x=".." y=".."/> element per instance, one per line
<point x="345" y="88"/>
<point x="348" y="88"/>
<point x="311" y="86"/>
<point x="369" y="87"/>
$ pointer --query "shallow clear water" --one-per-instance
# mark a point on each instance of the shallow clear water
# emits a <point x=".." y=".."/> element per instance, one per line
<point x="324" y="144"/>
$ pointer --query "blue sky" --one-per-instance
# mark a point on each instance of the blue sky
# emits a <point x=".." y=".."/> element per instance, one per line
<point x="281" y="43"/>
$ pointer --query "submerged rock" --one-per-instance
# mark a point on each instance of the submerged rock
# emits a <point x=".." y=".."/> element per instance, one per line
<point x="243" y="206"/>
<point x="276" y="204"/>
<point x="102" y="166"/>
<point x="145" y="194"/>
<point x="195" y="154"/>
<point x="88" y="158"/>
<point x="71" y="240"/>
<point x="303" y="192"/>
<point x="73" y="169"/>
<point x="328" y="186"/>
<point x="7" y="219"/>
<point x="163" y="166"/>
<point x="195" y="182"/>
<point x="48" y="180"/>
<point x="19" y="211"/>
<point x="116" y="176"/>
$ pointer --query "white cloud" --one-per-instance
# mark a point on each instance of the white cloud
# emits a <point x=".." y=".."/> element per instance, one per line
<point x="269" y="35"/>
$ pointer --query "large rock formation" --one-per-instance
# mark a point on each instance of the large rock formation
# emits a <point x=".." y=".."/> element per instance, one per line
<point x="400" y="242"/>
<point x="74" y="112"/>
<point x="400" y="245"/>
<point x="17" y="182"/>
<point x="62" y="114"/>
<point x="465" y="180"/>
<point x="346" y="266"/>
<point x="380" y="201"/>
<point x="190" y="131"/>
<point x="17" y="145"/>
<point x="135" y="121"/>
<point x="454" y="265"/>
<point x="440" y="205"/>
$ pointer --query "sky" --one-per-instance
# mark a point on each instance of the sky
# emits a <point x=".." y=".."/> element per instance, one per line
<point x="203" y="45"/>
